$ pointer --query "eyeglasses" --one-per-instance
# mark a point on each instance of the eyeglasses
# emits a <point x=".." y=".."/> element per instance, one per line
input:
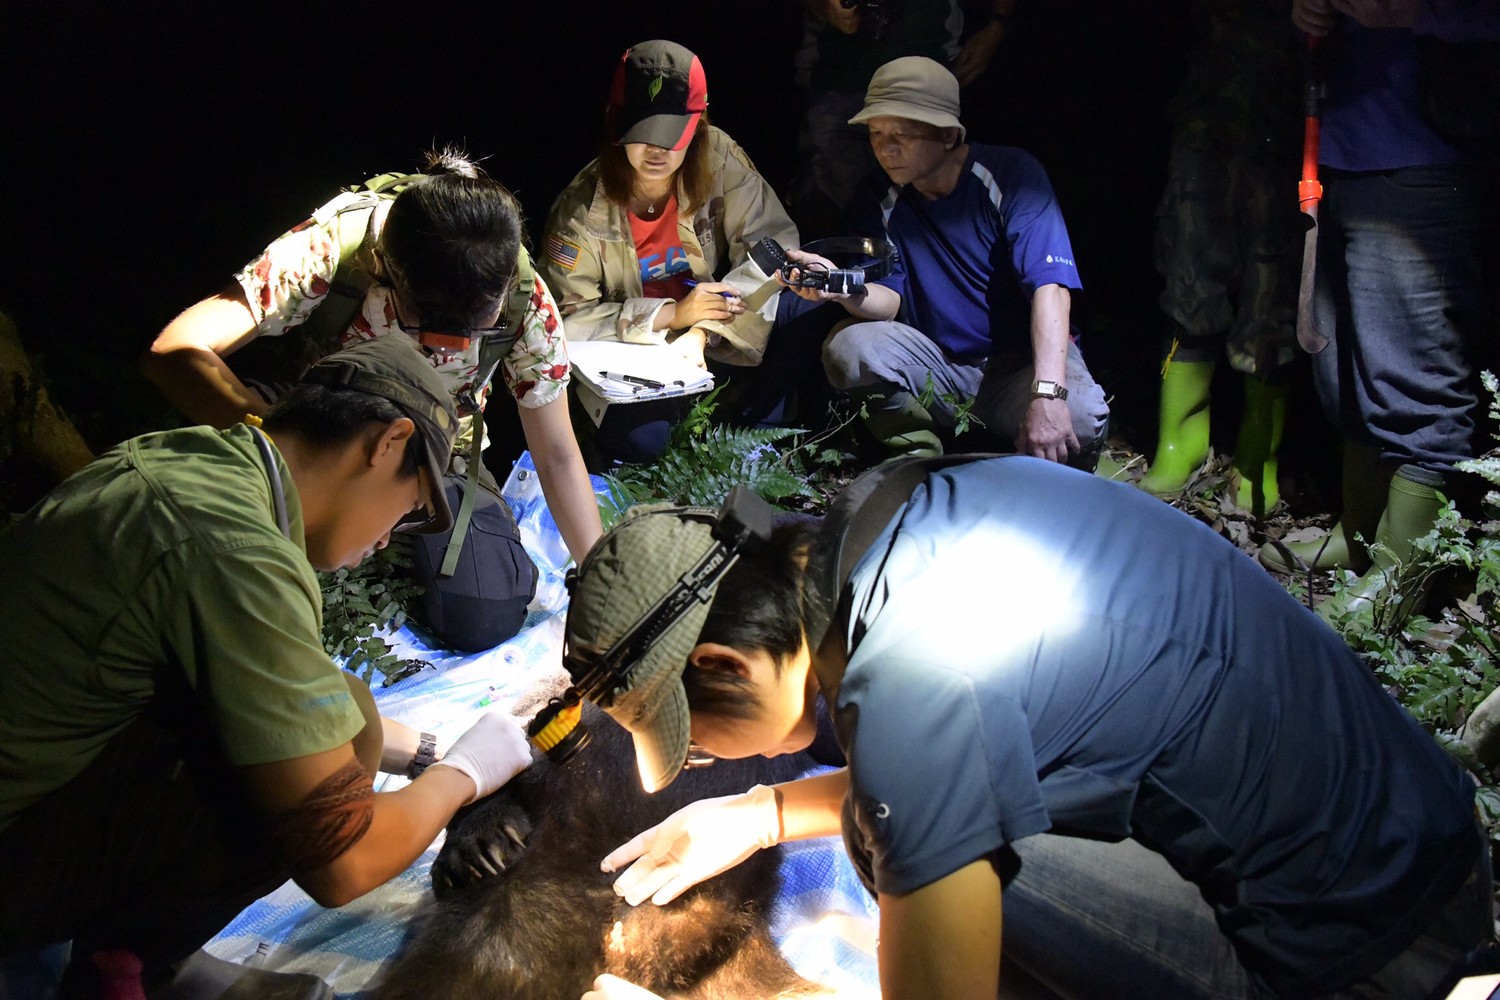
<point x="441" y="329"/>
<point x="426" y="511"/>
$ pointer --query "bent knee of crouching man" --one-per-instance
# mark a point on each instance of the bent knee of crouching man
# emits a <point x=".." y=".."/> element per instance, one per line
<point x="860" y="354"/>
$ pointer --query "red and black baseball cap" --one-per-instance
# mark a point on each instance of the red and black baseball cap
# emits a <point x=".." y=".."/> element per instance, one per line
<point x="658" y="96"/>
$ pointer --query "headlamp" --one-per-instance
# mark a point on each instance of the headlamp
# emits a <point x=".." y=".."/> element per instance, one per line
<point x="743" y="521"/>
<point x="860" y="258"/>
<point x="457" y="339"/>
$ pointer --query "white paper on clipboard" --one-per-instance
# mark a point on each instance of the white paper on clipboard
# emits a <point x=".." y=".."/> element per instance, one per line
<point x="650" y="371"/>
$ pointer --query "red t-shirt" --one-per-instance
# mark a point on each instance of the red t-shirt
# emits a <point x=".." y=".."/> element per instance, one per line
<point x="665" y="271"/>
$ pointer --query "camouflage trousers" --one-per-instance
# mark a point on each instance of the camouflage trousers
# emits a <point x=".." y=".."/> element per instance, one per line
<point x="1228" y="244"/>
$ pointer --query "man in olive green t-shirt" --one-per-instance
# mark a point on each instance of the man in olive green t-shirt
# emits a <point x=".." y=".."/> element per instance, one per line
<point x="174" y="741"/>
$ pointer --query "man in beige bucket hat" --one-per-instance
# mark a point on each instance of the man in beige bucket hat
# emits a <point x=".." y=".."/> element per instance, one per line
<point x="980" y="299"/>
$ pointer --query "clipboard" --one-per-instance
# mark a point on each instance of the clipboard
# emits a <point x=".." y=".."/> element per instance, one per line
<point x="607" y="372"/>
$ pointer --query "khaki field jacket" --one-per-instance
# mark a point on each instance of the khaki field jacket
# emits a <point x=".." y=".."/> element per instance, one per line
<point x="600" y="295"/>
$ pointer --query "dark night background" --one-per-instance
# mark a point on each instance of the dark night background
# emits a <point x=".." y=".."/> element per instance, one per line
<point x="153" y="149"/>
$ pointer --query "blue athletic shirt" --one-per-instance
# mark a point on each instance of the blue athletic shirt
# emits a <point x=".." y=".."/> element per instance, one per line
<point x="1033" y="648"/>
<point x="971" y="259"/>
<point x="1373" y="118"/>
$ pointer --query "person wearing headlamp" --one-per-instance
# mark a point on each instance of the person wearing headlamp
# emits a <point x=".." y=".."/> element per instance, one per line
<point x="1170" y="778"/>
<point x="435" y="258"/>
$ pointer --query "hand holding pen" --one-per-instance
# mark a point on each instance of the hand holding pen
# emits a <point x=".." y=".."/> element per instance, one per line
<point x="706" y="300"/>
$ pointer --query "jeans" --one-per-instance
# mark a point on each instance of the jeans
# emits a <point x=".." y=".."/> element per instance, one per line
<point x="787" y="389"/>
<point x="1085" y="919"/>
<point x="153" y="847"/>
<point x="1401" y="297"/>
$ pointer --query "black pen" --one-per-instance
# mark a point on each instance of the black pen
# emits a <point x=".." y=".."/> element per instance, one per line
<point x="647" y="383"/>
<point x="693" y="284"/>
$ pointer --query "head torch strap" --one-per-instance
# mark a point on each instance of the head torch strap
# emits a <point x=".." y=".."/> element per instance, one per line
<point x="877" y="257"/>
<point x="696" y="586"/>
<point x="745" y="519"/>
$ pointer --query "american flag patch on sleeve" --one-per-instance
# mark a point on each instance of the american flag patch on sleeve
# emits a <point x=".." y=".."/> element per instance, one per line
<point x="561" y="252"/>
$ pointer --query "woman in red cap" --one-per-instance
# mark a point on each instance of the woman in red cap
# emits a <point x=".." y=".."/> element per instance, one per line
<point x="649" y="244"/>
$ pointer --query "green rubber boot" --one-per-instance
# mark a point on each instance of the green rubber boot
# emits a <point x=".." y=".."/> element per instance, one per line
<point x="1261" y="427"/>
<point x="1366" y="485"/>
<point x="1182" y="442"/>
<point x="903" y="425"/>
<point x="1411" y="511"/>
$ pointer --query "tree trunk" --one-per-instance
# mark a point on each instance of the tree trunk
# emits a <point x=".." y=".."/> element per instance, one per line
<point x="37" y="430"/>
<point x="1482" y="732"/>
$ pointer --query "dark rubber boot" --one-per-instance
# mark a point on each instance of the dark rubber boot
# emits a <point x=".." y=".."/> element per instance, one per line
<point x="903" y="425"/>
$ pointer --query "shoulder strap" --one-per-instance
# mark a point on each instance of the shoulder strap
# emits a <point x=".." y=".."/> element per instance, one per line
<point x="863" y="509"/>
<point x="491" y="350"/>
<point x="353" y="231"/>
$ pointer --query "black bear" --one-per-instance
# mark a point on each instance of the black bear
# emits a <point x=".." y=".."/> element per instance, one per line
<point x="547" y="921"/>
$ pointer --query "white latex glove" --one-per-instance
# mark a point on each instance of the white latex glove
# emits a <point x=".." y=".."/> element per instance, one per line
<point x="491" y="752"/>
<point x="695" y="843"/>
<point x="608" y="987"/>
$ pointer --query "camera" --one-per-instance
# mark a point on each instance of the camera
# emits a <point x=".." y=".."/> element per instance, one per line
<point x="874" y="257"/>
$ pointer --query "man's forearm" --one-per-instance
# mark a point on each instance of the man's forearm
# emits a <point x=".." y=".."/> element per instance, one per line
<point x="812" y="807"/>
<point x="399" y="747"/>
<point x="878" y="303"/>
<point x="1050" y="308"/>
<point x="403" y="824"/>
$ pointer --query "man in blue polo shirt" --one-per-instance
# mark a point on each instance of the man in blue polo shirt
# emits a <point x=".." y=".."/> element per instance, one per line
<point x="1208" y="793"/>
<point x="978" y="304"/>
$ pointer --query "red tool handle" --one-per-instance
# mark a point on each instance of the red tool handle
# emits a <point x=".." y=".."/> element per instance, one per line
<point x="1310" y="189"/>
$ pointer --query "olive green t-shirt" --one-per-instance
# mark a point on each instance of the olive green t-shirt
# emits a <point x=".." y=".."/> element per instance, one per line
<point x="162" y="559"/>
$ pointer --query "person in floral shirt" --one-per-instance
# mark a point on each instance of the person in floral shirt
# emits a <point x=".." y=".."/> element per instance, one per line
<point x="435" y="263"/>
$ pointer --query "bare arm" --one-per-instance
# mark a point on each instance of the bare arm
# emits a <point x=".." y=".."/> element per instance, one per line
<point x="1047" y="430"/>
<point x="710" y="836"/>
<point x="565" y="479"/>
<point x="404" y="822"/>
<point x="186" y="361"/>
<point x="975" y="56"/>
<point x="399" y="746"/>
<point x="943" y="940"/>
<point x="1314" y="17"/>
<point x="812" y="807"/>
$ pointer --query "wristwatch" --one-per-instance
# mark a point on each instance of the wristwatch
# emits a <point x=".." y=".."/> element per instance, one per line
<point x="425" y="756"/>
<point x="1047" y="389"/>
